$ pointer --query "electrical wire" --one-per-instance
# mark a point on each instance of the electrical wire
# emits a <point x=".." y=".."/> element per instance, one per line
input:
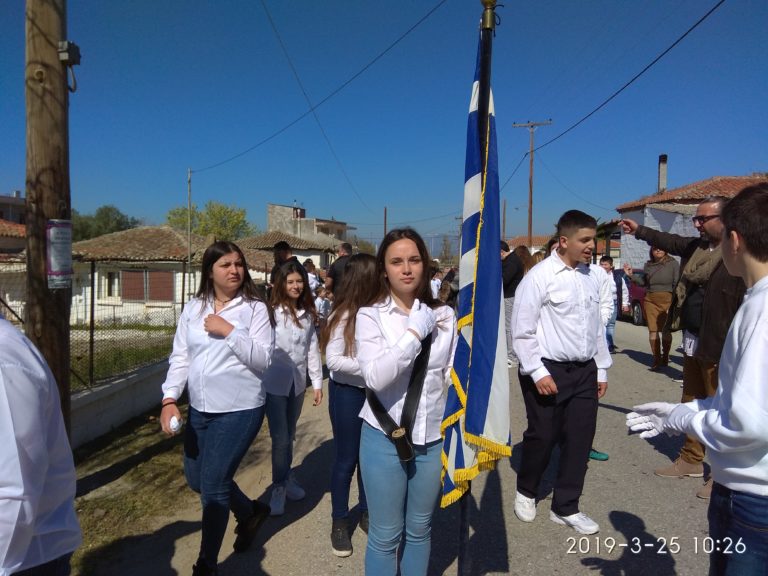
<point x="351" y="79"/>
<point x="311" y="107"/>
<point x="566" y="188"/>
<point x="643" y="71"/>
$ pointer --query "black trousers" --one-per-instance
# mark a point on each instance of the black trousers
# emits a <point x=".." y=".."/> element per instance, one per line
<point x="567" y="419"/>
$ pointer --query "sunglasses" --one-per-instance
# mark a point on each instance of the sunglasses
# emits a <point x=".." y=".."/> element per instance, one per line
<point x="704" y="219"/>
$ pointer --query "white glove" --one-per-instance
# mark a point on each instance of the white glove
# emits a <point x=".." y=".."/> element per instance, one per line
<point x="678" y="419"/>
<point x="421" y="319"/>
<point x="649" y="419"/>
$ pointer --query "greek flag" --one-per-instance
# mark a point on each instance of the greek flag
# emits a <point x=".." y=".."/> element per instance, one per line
<point x="476" y="422"/>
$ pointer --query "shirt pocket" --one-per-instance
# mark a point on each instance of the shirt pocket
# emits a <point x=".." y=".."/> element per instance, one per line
<point x="561" y="301"/>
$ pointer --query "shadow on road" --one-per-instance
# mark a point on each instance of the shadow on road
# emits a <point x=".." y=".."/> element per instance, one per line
<point x="487" y="550"/>
<point x="641" y="553"/>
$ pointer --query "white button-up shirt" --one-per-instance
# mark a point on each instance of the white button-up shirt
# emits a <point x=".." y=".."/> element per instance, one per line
<point x="296" y="351"/>
<point x="386" y="351"/>
<point x="37" y="475"/>
<point x="344" y="369"/>
<point x="223" y="374"/>
<point x="557" y="316"/>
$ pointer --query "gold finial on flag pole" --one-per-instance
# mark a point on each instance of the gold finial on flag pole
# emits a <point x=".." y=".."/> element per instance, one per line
<point x="489" y="16"/>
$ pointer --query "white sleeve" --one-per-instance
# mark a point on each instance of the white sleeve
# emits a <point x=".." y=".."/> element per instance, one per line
<point x="314" y="360"/>
<point x="334" y="353"/>
<point x="178" y="371"/>
<point x="624" y="292"/>
<point x="380" y="363"/>
<point x="606" y="296"/>
<point x="529" y="299"/>
<point x="254" y="346"/>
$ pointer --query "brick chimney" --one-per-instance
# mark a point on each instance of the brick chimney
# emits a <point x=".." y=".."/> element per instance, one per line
<point x="662" y="174"/>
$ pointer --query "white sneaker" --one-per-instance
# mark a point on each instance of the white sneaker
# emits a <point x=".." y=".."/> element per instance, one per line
<point x="525" y="508"/>
<point x="277" y="501"/>
<point x="580" y="522"/>
<point x="293" y="489"/>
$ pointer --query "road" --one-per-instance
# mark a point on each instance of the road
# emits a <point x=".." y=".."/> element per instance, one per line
<point x="649" y="525"/>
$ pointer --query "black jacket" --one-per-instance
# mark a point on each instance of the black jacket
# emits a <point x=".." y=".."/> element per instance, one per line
<point x="511" y="274"/>
<point x="722" y="292"/>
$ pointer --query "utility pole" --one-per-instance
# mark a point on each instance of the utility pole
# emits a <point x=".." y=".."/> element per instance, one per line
<point x="189" y="235"/>
<point x="531" y="128"/>
<point x="48" y="59"/>
<point x="385" y="220"/>
<point x="504" y="220"/>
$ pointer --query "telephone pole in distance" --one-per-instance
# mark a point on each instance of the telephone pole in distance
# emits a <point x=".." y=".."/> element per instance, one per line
<point x="531" y="128"/>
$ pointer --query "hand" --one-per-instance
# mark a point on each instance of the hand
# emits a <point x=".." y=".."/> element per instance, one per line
<point x="166" y="413"/>
<point x="649" y="419"/>
<point x="625" y="308"/>
<point x="627" y="268"/>
<point x="215" y="325"/>
<point x="628" y="226"/>
<point x="602" y="388"/>
<point x="546" y="386"/>
<point x="421" y="320"/>
<point x="317" y="397"/>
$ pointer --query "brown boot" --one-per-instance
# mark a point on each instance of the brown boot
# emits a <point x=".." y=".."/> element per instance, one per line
<point x="705" y="491"/>
<point x="654" y="341"/>
<point x="680" y="468"/>
<point x="666" y="345"/>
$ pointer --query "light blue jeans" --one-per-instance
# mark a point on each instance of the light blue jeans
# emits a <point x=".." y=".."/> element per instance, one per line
<point x="610" y="328"/>
<point x="401" y="499"/>
<point x="282" y="415"/>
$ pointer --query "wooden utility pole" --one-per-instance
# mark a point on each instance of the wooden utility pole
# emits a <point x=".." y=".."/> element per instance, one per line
<point x="49" y="231"/>
<point x="531" y="128"/>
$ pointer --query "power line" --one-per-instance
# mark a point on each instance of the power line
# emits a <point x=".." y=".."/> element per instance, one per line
<point x="311" y="107"/>
<point x="547" y="168"/>
<point x="619" y="91"/>
<point x="329" y="96"/>
<point x="643" y="71"/>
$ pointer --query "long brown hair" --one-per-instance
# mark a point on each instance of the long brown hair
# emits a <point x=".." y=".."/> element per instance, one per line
<point x="280" y="296"/>
<point x="248" y="288"/>
<point x="359" y="287"/>
<point x="525" y="257"/>
<point x="423" y="291"/>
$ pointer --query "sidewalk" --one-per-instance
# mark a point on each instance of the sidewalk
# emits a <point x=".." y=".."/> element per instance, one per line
<point x="649" y="525"/>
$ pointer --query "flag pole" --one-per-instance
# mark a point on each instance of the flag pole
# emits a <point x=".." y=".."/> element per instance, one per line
<point x="487" y="29"/>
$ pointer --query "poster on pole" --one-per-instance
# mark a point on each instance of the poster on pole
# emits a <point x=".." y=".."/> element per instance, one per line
<point x="59" y="254"/>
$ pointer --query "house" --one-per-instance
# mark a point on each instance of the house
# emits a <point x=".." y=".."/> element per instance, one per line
<point x="319" y="247"/>
<point x="293" y="220"/>
<point x="13" y="207"/>
<point x="538" y="241"/>
<point x="13" y="237"/>
<point x="671" y="210"/>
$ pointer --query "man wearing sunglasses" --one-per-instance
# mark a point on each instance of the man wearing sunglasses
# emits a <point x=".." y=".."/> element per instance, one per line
<point x="704" y="302"/>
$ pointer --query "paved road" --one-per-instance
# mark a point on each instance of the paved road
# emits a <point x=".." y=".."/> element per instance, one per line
<point x="641" y="516"/>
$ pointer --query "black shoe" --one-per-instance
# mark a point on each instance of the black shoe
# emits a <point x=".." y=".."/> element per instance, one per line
<point x="202" y="569"/>
<point x="340" y="542"/>
<point x="246" y="531"/>
<point x="364" y="521"/>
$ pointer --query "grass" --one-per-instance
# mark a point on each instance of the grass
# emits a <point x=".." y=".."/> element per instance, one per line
<point x="118" y="359"/>
<point x="125" y="482"/>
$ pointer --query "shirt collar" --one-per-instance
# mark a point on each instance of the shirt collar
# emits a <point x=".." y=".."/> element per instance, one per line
<point x="559" y="266"/>
<point x="388" y="306"/>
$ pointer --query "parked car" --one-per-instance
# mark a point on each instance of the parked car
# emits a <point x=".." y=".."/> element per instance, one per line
<point x="636" y="297"/>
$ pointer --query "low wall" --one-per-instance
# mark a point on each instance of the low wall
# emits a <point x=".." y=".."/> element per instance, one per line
<point x="96" y="412"/>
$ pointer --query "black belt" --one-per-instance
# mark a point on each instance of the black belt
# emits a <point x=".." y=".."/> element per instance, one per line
<point x="579" y="363"/>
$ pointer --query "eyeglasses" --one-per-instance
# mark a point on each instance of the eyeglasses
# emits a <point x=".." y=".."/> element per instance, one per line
<point x="701" y="220"/>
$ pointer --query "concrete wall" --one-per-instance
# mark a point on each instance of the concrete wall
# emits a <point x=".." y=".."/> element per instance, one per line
<point x="98" y="411"/>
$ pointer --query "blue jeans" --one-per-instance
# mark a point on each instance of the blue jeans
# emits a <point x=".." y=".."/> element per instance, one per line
<point x="214" y="445"/>
<point x="282" y="415"/>
<point x="741" y="519"/>
<point x="401" y="498"/>
<point x="57" y="567"/>
<point x="610" y="328"/>
<point x="344" y="405"/>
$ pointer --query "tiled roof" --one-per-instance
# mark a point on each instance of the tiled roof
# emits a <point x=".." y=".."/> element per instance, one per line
<point x="10" y="229"/>
<point x="268" y="240"/>
<point x="727" y="186"/>
<point x="142" y="244"/>
<point x="538" y="241"/>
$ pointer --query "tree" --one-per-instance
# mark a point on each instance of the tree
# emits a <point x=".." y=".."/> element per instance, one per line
<point x="446" y="251"/>
<point x="216" y="219"/>
<point x="364" y="246"/>
<point x="105" y="220"/>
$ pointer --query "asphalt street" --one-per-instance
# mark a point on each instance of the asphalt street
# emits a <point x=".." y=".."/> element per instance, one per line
<point x="648" y="524"/>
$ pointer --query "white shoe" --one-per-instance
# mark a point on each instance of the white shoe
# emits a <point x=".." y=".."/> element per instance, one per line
<point x="580" y="522"/>
<point x="277" y="501"/>
<point x="293" y="489"/>
<point x="525" y="508"/>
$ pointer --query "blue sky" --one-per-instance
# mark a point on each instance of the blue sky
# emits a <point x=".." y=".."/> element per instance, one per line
<point x="166" y="86"/>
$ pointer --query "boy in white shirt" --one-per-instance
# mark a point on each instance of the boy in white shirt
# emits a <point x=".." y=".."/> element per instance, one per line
<point x="733" y="424"/>
<point x="559" y="338"/>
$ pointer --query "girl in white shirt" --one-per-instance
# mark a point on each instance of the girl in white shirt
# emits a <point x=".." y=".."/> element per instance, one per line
<point x="402" y="495"/>
<point x="222" y="347"/>
<point x="296" y="352"/>
<point x="346" y="394"/>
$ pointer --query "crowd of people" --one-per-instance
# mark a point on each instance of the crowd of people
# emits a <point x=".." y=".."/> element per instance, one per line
<point x="387" y="328"/>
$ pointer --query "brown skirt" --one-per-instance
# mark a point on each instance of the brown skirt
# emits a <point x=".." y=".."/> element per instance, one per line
<point x="656" y="305"/>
